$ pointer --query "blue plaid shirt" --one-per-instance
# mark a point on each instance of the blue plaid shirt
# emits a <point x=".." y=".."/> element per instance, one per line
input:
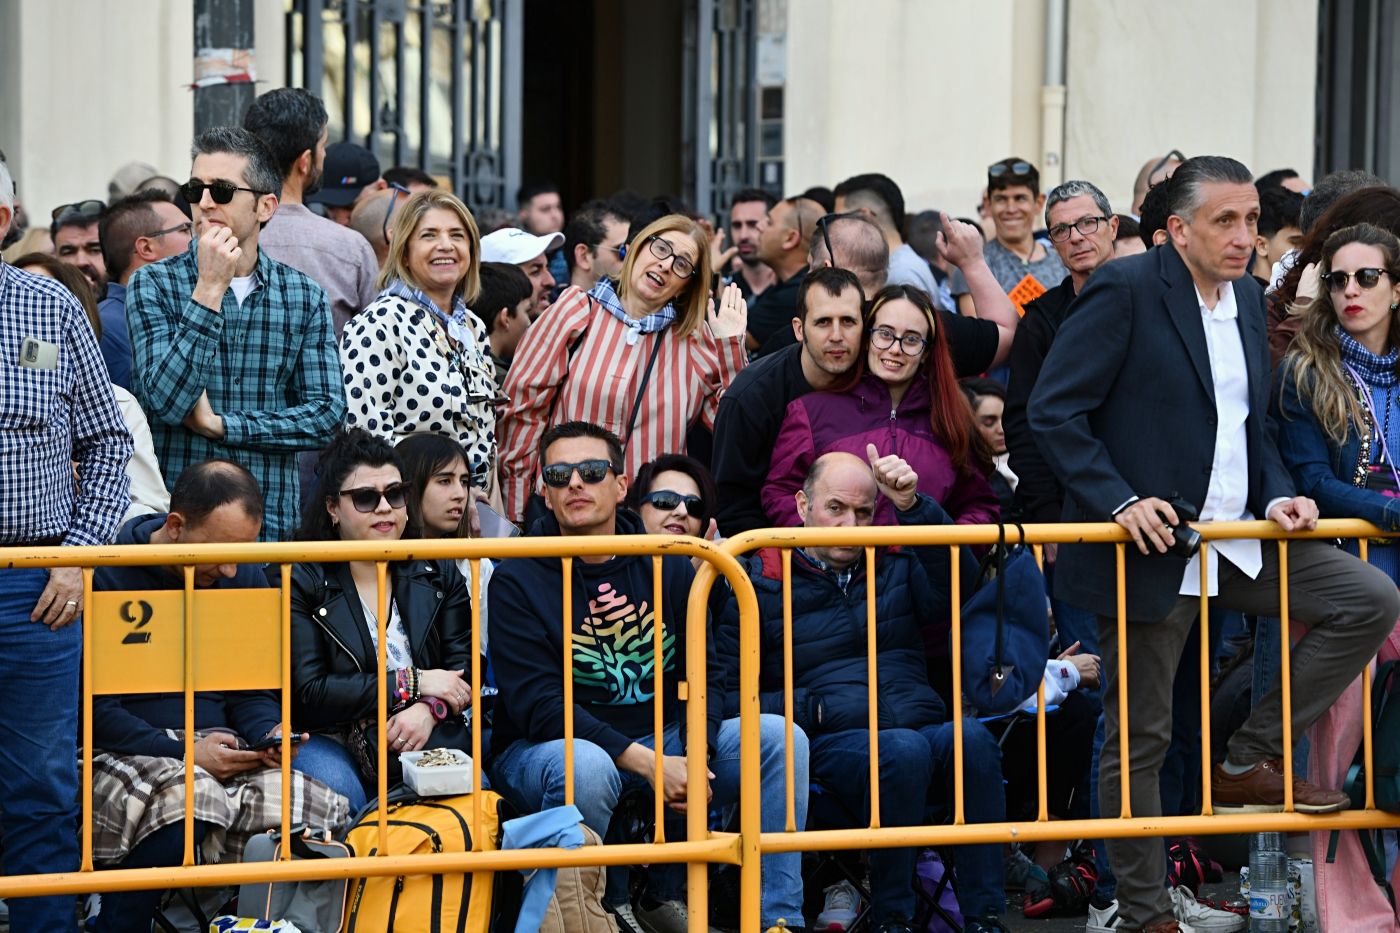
<point x="52" y="418"/>
<point x="270" y="367"/>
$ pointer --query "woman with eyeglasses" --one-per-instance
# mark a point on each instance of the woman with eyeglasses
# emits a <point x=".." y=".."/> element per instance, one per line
<point x="1339" y="387"/>
<point x="361" y="496"/>
<point x="646" y="356"/>
<point x="417" y="360"/>
<point x="903" y="397"/>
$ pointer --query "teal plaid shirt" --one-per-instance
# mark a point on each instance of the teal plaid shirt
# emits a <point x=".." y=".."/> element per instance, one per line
<point x="270" y="367"/>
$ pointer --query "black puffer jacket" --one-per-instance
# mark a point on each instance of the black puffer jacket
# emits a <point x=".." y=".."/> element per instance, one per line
<point x="829" y="673"/>
<point x="333" y="659"/>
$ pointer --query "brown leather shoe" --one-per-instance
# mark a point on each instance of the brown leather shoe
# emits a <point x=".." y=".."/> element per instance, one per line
<point x="1166" y="925"/>
<point x="1260" y="790"/>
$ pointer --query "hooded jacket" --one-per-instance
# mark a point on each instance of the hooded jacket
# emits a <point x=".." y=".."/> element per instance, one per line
<point x="613" y="663"/>
<point x="829" y="632"/>
<point x="135" y="724"/>
<point x="821" y="422"/>
<point x="334" y="662"/>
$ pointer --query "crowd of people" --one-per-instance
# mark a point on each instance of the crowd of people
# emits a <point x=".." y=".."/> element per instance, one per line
<point x="294" y="345"/>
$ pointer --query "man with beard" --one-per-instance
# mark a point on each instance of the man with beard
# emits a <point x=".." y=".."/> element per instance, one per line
<point x="292" y="123"/>
<point x="748" y="212"/>
<point x="76" y="241"/>
<point x="827" y="325"/>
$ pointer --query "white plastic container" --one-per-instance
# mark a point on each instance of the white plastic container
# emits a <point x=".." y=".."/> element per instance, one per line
<point x="438" y="781"/>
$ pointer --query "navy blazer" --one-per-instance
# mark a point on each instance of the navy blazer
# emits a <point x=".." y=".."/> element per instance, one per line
<point x="1125" y="406"/>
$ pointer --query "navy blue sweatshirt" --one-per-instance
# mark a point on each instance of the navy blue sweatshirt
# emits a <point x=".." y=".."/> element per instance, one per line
<point x="133" y="724"/>
<point x="613" y="659"/>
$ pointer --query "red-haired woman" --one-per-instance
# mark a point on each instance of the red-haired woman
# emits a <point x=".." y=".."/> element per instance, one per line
<point x="903" y="398"/>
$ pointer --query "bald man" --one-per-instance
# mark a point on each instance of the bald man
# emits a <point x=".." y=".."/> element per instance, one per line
<point x="829" y="676"/>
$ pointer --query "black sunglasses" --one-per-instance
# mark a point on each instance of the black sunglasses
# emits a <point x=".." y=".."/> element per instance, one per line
<point x="221" y="191"/>
<point x="666" y="501"/>
<point x="366" y="498"/>
<point x="1014" y="169"/>
<point x="92" y="208"/>
<point x="591" y="472"/>
<point x="1366" y="278"/>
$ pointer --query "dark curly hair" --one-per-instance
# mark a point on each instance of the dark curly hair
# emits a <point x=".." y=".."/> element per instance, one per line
<point x="352" y="448"/>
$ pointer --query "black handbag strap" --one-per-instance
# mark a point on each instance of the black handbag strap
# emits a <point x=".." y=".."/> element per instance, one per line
<point x="641" y="389"/>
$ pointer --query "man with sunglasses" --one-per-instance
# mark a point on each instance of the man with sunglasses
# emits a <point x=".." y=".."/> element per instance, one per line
<point x="293" y="124"/>
<point x="1023" y="266"/>
<point x="76" y="240"/>
<point x="234" y="353"/>
<point x="1157" y="387"/>
<point x="612" y="666"/>
<point x="137" y="230"/>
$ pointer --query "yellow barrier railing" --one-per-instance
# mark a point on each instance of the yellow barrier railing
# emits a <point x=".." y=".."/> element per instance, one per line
<point x="163" y="640"/>
<point x="755" y="843"/>
<point x="250" y="644"/>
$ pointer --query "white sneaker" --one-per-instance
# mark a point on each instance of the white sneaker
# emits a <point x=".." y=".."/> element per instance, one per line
<point x="1105" y="920"/>
<point x="841" y="908"/>
<point x="1188" y="910"/>
<point x="665" y="917"/>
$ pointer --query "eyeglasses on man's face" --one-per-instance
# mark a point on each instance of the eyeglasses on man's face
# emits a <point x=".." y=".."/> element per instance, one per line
<point x="393" y="202"/>
<point x="221" y="192"/>
<point x="187" y="228"/>
<point x="592" y="472"/>
<point x="1087" y="226"/>
<point x="91" y="209"/>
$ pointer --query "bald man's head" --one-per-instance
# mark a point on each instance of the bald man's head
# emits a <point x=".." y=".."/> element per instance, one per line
<point x="838" y="492"/>
<point x="857" y="245"/>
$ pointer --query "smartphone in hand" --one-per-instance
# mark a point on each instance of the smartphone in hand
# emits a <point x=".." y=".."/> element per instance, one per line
<point x="273" y="741"/>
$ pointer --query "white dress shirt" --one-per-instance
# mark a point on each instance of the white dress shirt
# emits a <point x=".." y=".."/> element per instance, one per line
<point x="1228" y="492"/>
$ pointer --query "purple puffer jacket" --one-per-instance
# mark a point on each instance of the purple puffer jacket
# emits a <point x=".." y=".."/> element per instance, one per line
<point x="821" y="422"/>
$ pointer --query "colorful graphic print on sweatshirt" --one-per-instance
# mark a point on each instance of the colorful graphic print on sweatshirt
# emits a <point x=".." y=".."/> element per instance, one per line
<point x="613" y="648"/>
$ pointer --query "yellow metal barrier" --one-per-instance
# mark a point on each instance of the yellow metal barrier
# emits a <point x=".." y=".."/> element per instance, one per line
<point x="189" y="640"/>
<point x="754" y="843"/>
<point x="167" y="628"/>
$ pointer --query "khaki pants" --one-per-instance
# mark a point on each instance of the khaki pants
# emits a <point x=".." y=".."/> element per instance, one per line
<point x="1349" y="608"/>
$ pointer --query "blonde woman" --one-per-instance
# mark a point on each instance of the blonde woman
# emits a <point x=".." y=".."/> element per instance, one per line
<point x="645" y="356"/>
<point x="417" y="360"/>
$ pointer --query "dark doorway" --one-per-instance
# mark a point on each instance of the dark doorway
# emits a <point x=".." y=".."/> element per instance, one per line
<point x="602" y="97"/>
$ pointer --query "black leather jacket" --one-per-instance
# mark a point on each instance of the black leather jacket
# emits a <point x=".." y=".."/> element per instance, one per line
<point x="333" y="659"/>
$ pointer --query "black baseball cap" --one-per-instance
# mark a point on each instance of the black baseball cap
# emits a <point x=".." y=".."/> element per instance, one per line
<point x="346" y="171"/>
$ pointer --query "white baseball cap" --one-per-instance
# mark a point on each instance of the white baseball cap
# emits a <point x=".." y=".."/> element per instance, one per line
<point x="516" y="246"/>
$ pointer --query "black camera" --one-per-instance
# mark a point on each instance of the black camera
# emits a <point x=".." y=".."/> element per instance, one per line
<point x="1186" y="541"/>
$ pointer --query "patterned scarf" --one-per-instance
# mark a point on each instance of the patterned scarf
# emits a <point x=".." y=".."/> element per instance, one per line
<point x="401" y="289"/>
<point x="606" y="295"/>
<point x="1378" y="371"/>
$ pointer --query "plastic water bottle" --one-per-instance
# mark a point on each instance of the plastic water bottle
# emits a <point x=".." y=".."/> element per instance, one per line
<point x="1268" y="884"/>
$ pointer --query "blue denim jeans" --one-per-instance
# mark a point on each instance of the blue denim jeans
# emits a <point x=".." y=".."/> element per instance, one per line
<point x="38" y="749"/>
<point x="531" y="776"/>
<point x="917" y="766"/>
<point x="327" y="761"/>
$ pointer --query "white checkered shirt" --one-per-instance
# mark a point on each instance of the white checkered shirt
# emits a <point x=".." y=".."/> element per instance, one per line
<point x="54" y="419"/>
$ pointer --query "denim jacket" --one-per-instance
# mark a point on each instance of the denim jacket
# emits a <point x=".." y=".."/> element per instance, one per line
<point x="1321" y="469"/>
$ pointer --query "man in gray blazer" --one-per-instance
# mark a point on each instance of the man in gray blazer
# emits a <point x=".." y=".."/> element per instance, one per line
<point x="1157" y="389"/>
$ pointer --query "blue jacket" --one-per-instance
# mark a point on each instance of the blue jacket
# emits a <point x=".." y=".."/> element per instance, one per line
<point x="1321" y="469"/>
<point x="829" y="635"/>
<point x="134" y="724"/>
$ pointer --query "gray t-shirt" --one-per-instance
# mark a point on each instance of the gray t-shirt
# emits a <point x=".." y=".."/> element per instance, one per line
<point x="1009" y="270"/>
<point x="909" y="268"/>
<point x="334" y="257"/>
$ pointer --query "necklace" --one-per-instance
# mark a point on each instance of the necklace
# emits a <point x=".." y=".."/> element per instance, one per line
<point x="1029" y="257"/>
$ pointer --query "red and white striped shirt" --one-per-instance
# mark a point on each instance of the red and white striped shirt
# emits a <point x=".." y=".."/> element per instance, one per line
<point x="599" y="383"/>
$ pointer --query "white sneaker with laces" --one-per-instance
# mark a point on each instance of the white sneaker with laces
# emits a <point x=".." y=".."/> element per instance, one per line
<point x="1105" y="920"/>
<point x="1188" y="910"/>
<point x="841" y="908"/>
